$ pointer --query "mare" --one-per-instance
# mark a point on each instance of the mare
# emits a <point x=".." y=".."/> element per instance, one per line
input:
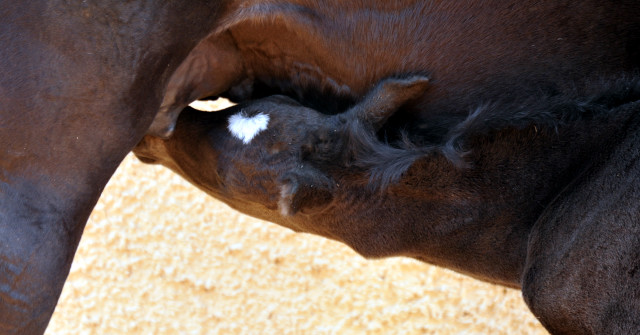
<point x="83" y="82"/>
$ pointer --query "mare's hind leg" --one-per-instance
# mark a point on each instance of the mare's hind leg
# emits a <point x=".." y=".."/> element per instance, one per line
<point x="76" y="94"/>
<point x="50" y="179"/>
<point x="583" y="269"/>
<point x="54" y="163"/>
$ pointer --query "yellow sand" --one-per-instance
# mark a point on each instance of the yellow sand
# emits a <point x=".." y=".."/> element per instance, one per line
<point x="160" y="257"/>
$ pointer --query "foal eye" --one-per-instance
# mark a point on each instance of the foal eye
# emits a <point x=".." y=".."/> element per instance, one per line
<point x="307" y="149"/>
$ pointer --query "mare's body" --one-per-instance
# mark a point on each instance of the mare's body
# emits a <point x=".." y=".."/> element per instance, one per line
<point x="82" y="82"/>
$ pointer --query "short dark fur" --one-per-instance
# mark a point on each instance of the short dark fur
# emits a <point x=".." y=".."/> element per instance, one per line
<point x="387" y="162"/>
<point x="81" y="83"/>
<point x="546" y="112"/>
<point x="492" y="219"/>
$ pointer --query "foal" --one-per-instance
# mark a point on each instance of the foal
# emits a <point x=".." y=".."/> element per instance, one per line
<point x="523" y="207"/>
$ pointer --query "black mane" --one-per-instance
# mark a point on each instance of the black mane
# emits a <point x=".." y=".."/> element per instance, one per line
<point x="387" y="162"/>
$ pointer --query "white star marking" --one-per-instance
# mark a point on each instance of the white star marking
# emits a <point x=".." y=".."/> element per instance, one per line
<point x="246" y="128"/>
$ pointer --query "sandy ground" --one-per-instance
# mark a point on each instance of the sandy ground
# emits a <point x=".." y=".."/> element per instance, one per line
<point x="160" y="257"/>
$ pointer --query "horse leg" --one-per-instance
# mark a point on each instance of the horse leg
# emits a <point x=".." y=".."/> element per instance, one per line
<point x="80" y="85"/>
<point x="582" y="274"/>
<point x="54" y="164"/>
<point x="38" y="238"/>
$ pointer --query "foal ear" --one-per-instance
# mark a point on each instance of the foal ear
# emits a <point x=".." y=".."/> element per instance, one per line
<point x="386" y="98"/>
<point x="304" y="190"/>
